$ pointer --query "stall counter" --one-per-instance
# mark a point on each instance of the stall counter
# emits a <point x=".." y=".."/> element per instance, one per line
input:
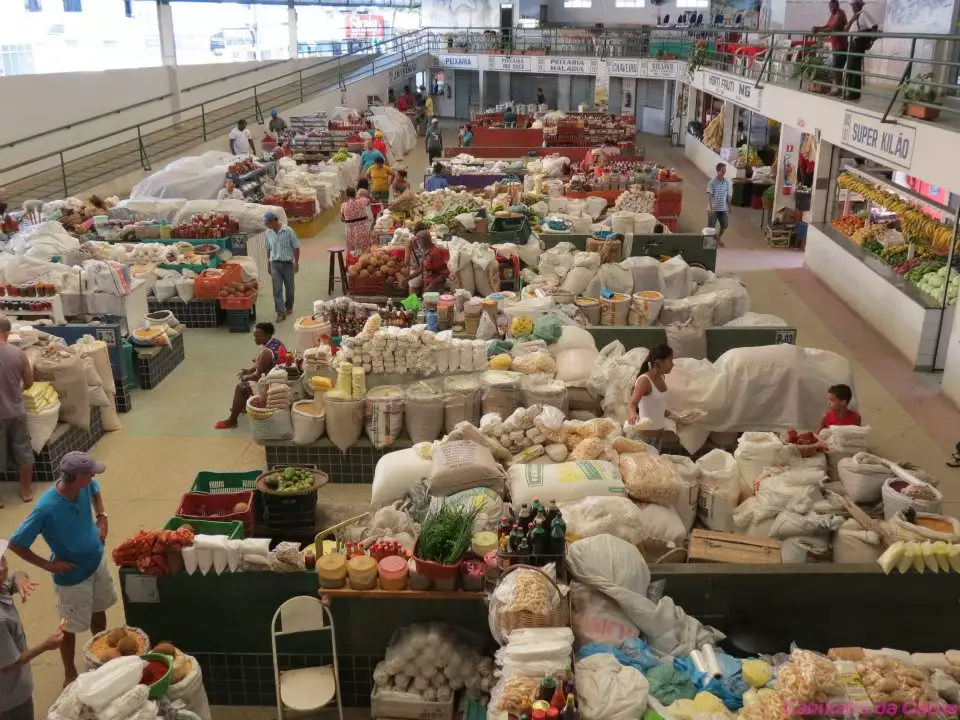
<point x="706" y="159"/>
<point x="894" y="308"/>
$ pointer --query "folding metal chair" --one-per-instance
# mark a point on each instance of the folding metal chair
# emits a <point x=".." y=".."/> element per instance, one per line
<point x="305" y="689"/>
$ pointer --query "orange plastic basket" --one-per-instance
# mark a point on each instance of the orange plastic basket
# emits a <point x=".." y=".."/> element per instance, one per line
<point x="208" y="283"/>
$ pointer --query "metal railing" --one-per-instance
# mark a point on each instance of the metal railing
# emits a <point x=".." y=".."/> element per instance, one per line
<point x="138" y="147"/>
<point x="919" y="70"/>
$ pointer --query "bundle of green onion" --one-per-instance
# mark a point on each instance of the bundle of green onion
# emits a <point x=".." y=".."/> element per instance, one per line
<point x="446" y="534"/>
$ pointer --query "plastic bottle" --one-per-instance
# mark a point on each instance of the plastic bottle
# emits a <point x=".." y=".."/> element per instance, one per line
<point x="524" y="518"/>
<point x="570" y="711"/>
<point x="558" y="536"/>
<point x="548" y="686"/>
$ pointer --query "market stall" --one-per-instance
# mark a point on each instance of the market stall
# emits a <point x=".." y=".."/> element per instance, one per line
<point x="896" y="244"/>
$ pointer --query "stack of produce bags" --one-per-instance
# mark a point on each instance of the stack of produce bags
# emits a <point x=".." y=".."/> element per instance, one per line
<point x="42" y="404"/>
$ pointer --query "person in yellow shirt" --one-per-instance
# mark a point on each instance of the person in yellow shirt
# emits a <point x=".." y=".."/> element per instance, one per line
<point x="428" y="108"/>
<point x="380" y="176"/>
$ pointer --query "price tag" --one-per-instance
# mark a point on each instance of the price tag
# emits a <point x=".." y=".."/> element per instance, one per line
<point x="237" y="244"/>
<point x="709" y="242"/>
<point x="107" y="335"/>
<point x="786" y="337"/>
<point x="142" y="589"/>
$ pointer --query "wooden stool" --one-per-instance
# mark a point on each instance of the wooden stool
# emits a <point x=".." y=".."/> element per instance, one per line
<point x="336" y="256"/>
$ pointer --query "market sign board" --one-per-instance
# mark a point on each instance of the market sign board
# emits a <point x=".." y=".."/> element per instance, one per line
<point x="653" y="69"/>
<point x="454" y="61"/>
<point x="403" y="70"/>
<point x="363" y="26"/>
<point x="567" y="65"/>
<point x="665" y="69"/>
<point x="741" y="92"/>
<point x="509" y="63"/>
<point x="886" y="142"/>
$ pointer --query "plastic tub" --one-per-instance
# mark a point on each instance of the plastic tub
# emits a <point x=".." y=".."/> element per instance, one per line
<point x="463" y="399"/>
<point x="332" y="570"/>
<point x="362" y="572"/>
<point x="591" y="308"/>
<point x="393" y="573"/>
<point x="415" y="580"/>
<point x="160" y="687"/>
<point x="501" y="392"/>
<point x="483" y="542"/>
<point x="491" y="565"/>
<point x="473" y="308"/>
<point x="472" y="573"/>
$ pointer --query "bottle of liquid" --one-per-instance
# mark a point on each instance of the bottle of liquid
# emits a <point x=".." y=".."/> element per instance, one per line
<point x="537" y="506"/>
<point x="540" y="538"/>
<point x="524" y="518"/>
<point x="548" y="686"/>
<point x="515" y="535"/>
<point x="557" y="701"/>
<point x="526" y="707"/>
<point x="558" y="533"/>
<point x="552" y="512"/>
<point x="505" y="525"/>
<point x="523" y="550"/>
<point x="569" y="686"/>
<point x="570" y="711"/>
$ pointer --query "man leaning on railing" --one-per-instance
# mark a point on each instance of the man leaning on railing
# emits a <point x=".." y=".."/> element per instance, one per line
<point x="836" y="23"/>
<point x="861" y="21"/>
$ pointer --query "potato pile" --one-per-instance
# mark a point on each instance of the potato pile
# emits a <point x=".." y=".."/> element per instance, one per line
<point x="379" y="267"/>
<point x="239" y="289"/>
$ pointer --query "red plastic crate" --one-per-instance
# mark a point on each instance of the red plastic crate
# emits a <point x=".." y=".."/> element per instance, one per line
<point x="238" y="303"/>
<point x="208" y="283"/>
<point x="201" y="506"/>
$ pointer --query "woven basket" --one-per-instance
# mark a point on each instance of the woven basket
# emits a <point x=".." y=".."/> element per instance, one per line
<point x="93" y="662"/>
<point x="319" y="480"/>
<point x="505" y="621"/>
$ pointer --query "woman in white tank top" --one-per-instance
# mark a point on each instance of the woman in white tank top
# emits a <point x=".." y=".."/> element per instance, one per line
<point x="650" y="393"/>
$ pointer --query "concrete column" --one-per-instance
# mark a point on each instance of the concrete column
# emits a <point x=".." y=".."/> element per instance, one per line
<point x="563" y="93"/>
<point x="828" y="162"/>
<point x="483" y="93"/>
<point x="292" y="30"/>
<point x="168" y="46"/>
<point x="729" y="124"/>
<point x="505" y="93"/>
<point x="668" y="110"/>
<point x="786" y="184"/>
<point x="601" y="87"/>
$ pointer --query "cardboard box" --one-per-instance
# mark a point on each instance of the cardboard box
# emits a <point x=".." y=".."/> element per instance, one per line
<point x="712" y="546"/>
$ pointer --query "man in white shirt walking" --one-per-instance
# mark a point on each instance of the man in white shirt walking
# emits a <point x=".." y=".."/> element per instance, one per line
<point x="240" y="141"/>
<point x="718" y="208"/>
<point x="230" y="191"/>
<point x="283" y="252"/>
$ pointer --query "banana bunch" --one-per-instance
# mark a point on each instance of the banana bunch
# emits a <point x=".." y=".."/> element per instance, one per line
<point x="713" y="133"/>
<point x="915" y="223"/>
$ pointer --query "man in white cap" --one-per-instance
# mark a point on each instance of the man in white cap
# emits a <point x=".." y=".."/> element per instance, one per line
<point x="72" y="521"/>
<point x="16" y="680"/>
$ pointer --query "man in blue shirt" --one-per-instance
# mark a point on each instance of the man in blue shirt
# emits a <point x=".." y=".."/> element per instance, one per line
<point x="71" y="519"/>
<point x="435" y="182"/>
<point x="718" y="208"/>
<point x="369" y="156"/>
<point x="283" y="252"/>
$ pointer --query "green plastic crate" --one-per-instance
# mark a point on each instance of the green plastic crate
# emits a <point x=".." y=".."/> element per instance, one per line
<point x="216" y="483"/>
<point x="233" y="529"/>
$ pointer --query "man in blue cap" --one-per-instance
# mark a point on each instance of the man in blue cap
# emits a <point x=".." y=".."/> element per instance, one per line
<point x="283" y="252"/>
<point x="277" y="123"/>
<point x="72" y="521"/>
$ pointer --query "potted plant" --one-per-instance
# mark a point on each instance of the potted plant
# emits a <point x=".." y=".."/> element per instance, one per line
<point x="917" y="91"/>
<point x="698" y="57"/>
<point x="536" y="50"/>
<point x="445" y="537"/>
<point x="813" y="68"/>
<point x="768" y="197"/>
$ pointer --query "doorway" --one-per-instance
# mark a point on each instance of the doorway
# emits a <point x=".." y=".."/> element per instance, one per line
<point x="506" y="26"/>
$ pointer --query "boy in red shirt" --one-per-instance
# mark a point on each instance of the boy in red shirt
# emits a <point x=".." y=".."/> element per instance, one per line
<point x="838" y="397"/>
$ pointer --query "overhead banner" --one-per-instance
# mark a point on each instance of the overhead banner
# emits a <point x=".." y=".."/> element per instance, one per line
<point x="458" y="62"/>
<point x="363" y="26"/>
<point x="567" y="65"/>
<point x="885" y="142"/>
<point x="652" y="69"/>
<point x="509" y="63"/>
<point x="741" y="92"/>
<point x="403" y="70"/>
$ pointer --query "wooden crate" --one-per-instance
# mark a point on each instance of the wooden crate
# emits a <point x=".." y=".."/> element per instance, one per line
<point x="711" y="546"/>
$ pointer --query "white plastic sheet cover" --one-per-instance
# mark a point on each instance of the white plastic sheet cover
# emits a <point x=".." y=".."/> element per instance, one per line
<point x="401" y="121"/>
<point x="195" y="178"/>
<point x="147" y="208"/>
<point x="43" y="241"/>
<point x="617" y="569"/>
<point x="249" y="215"/>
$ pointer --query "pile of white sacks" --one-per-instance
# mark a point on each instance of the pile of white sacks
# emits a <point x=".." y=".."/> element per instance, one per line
<point x="402" y="350"/>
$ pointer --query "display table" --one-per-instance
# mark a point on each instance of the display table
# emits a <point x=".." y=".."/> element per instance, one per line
<point x="507" y="138"/>
<point x="355" y="466"/>
<point x="475" y="181"/>
<point x="66" y="438"/>
<point x="574" y="153"/>
<point x="893" y="307"/>
<point x="609" y="195"/>
<point x="194" y="314"/>
<point x="235" y="656"/>
<point x="130" y="308"/>
<point x="153" y="364"/>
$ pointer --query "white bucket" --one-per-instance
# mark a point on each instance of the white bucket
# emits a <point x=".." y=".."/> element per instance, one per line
<point x="648" y="303"/>
<point x="622" y="222"/>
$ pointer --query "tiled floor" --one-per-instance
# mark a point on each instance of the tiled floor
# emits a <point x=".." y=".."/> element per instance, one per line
<point x="169" y="436"/>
